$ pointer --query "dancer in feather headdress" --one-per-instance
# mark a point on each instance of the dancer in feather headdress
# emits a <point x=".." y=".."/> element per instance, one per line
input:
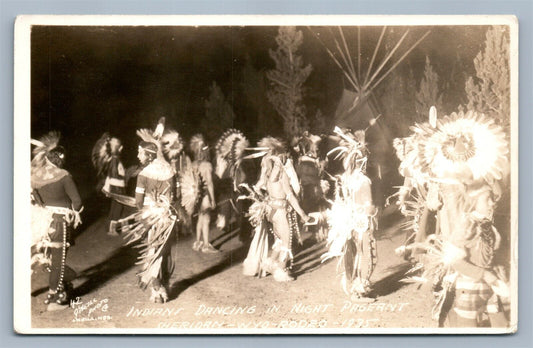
<point x="153" y="224"/>
<point x="417" y="196"/>
<point x="198" y="193"/>
<point x="106" y="159"/>
<point x="229" y="175"/>
<point x="55" y="212"/>
<point x="310" y="170"/>
<point x="173" y="147"/>
<point x="352" y="218"/>
<point x="465" y="156"/>
<point x="279" y="206"/>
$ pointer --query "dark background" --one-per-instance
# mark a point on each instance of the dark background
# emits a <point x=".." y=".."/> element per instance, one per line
<point x="89" y="80"/>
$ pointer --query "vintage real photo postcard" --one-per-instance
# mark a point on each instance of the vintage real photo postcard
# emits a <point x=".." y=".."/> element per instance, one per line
<point x="266" y="174"/>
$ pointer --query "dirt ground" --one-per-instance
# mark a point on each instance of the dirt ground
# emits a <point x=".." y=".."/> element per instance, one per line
<point x="209" y="292"/>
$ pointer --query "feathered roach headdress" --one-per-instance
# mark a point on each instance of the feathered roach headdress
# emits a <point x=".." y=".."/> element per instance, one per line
<point x="463" y="147"/>
<point x="267" y="145"/>
<point x="154" y="136"/>
<point x="43" y="146"/>
<point x="229" y="150"/>
<point x="352" y="147"/>
<point x="172" y="144"/>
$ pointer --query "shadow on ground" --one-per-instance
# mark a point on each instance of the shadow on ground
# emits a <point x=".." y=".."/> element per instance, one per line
<point x="391" y="282"/>
<point x="96" y="276"/>
<point x="236" y="256"/>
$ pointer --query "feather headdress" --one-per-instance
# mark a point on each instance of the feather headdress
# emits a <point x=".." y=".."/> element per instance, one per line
<point x="229" y="150"/>
<point x="190" y="188"/>
<point x="463" y="147"/>
<point x="100" y="154"/>
<point x="43" y="146"/>
<point x="267" y="145"/>
<point x="154" y="136"/>
<point x="352" y="147"/>
<point x="103" y="151"/>
<point x="172" y="144"/>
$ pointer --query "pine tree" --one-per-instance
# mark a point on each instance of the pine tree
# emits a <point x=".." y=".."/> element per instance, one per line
<point x="489" y="91"/>
<point x="428" y="94"/>
<point x="254" y="86"/>
<point x="287" y="79"/>
<point x="219" y="114"/>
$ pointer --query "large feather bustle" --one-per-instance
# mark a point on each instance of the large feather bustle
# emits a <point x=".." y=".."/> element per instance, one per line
<point x="190" y="187"/>
<point x="483" y="152"/>
<point x="45" y="144"/>
<point x="172" y="144"/>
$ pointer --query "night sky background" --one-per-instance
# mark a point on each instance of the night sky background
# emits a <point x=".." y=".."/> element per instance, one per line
<point x="89" y="80"/>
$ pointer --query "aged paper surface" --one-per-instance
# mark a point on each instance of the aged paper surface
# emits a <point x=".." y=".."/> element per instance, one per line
<point x="277" y="76"/>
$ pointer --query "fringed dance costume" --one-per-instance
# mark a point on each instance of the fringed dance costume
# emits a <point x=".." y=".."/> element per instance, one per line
<point x="462" y="159"/>
<point x="352" y="219"/>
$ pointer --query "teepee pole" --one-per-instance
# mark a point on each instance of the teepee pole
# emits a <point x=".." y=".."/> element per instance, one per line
<point x="385" y="60"/>
<point x="399" y="61"/>
<point x="359" y="52"/>
<point x="352" y="82"/>
<point x="346" y="57"/>
<point x="374" y="55"/>
<point x="348" y="76"/>
<point x="354" y="85"/>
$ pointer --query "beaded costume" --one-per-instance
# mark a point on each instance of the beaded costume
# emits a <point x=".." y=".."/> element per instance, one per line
<point x="56" y="205"/>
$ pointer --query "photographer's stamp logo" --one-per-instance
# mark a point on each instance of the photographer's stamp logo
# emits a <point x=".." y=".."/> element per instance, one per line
<point x="92" y="310"/>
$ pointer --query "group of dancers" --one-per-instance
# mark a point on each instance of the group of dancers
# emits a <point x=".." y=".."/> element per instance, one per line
<point x="454" y="168"/>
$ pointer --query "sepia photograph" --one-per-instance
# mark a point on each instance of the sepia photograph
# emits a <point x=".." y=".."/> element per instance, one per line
<point x="266" y="174"/>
